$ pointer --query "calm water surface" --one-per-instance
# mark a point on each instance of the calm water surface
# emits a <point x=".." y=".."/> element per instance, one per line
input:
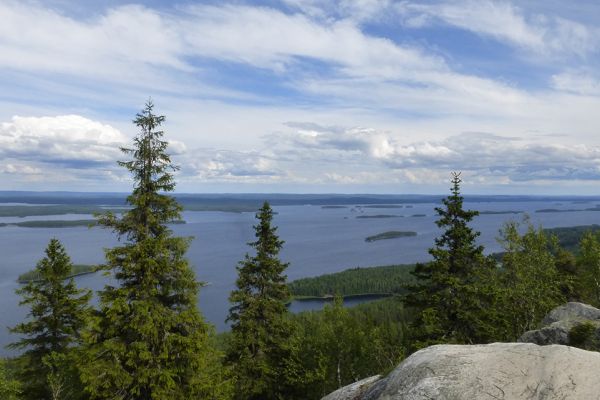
<point x="317" y="241"/>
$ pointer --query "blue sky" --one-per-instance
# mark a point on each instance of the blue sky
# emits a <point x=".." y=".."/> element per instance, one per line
<point x="324" y="96"/>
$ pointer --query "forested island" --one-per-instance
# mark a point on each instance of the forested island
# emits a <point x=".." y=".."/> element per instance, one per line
<point x="378" y="216"/>
<point x="390" y="235"/>
<point x="58" y="209"/>
<point x="384" y="280"/>
<point x="75" y="270"/>
<point x="500" y="212"/>
<point x="52" y="223"/>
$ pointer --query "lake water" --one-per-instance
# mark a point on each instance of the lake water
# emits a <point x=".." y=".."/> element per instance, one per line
<point x="317" y="241"/>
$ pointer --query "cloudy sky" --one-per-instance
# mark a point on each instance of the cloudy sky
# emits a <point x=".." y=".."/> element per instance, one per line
<point x="348" y="96"/>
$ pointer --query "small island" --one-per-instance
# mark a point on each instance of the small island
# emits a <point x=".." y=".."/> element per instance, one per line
<point x="418" y="215"/>
<point x="556" y="210"/>
<point x="332" y="207"/>
<point x="390" y="235"/>
<point x="379" y="216"/>
<point x="500" y="212"/>
<point x="76" y="270"/>
<point x="62" y="223"/>
<point x="383" y="206"/>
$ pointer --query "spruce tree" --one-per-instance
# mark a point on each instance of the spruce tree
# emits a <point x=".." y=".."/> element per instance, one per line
<point x="149" y="340"/>
<point x="449" y="302"/>
<point x="57" y="313"/>
<point x="260" y="330"/>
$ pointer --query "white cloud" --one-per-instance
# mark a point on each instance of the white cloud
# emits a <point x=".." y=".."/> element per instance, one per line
<point x="489" y="156"/>
<point x="577" y="81"/>
<point x="20" y="169"/>
<point x="217" y="32"/>
<point x="507" y="23"/>
<point x="403" y="95"/>
<point x="64" y="139"/>
<point x="122" y="45"/>
<point x="228" y="166"/>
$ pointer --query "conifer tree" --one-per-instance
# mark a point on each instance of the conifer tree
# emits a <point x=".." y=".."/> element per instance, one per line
<point x="58" y="312"/>
<point x="449" y="301"/>
<point x="149" y="340"/>
<point x="260" y="329"/>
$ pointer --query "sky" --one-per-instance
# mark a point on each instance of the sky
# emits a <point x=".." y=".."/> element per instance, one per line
<point x="305" y="96"/>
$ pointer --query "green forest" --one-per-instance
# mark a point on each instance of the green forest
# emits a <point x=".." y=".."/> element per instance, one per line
<point x="389" y="279"/>
<point x="146" y="338"/>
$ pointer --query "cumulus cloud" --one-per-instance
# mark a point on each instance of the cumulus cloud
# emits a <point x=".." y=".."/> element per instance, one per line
<point x="229" y="166"/>
<point x="493" y="156"/>
<point x="64" y="140"/>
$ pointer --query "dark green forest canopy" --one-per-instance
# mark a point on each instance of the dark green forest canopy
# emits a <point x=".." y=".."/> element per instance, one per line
<point x="390" y="235"/>
<point x="356" y="281"/>
<point x="76" y="270"/>
<point x="570" y="236"/>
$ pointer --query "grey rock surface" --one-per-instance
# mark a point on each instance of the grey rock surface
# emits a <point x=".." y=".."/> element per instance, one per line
<point x="354" y="390"/>
<point x="494" y="371"/>
<point x="572" y="311"/>
<point x="558" y="322"/>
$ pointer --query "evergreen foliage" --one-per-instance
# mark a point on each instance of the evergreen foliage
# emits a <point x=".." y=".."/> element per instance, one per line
<point x="355" y="281"/>
<point x="149" y="340"/>
<point x="588" y="262"/>
<point x="259" y="325"/>
<point x="10" y="388"/>
<point x="529" y="282"/>
<point x="338" y="345"/>
<point x="447" y="293"/>
<point x="57" y="313"/>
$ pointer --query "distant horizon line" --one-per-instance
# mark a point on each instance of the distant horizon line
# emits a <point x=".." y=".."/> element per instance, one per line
<point x="337" y="194"/>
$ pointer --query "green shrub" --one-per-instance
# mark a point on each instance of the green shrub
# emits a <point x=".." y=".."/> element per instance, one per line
<point x="583" y="336"/>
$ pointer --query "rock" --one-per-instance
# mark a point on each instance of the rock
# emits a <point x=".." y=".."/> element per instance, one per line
<point x="558" y="322"/>
<point x="572" y="311"/>
<point x="354" y="390"/>
<point x="494" y="371"/>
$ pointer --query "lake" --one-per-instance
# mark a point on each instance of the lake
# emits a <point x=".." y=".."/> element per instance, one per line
<point x="318" y="240"/>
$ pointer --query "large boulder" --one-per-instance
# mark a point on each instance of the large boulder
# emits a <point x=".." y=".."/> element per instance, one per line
<point x="494" y="371"/>
<point x="558" y="322"/>
<point x="354" y="390"/>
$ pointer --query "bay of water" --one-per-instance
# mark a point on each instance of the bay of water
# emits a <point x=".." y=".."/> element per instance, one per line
<point x="317" y="241"/>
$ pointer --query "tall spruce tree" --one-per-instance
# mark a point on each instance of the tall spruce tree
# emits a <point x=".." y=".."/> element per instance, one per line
<point x="449" y="301"/>
<point x="260" y="330"/>
<point x="149" y="340"/>
<point x="58" y="312"/>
